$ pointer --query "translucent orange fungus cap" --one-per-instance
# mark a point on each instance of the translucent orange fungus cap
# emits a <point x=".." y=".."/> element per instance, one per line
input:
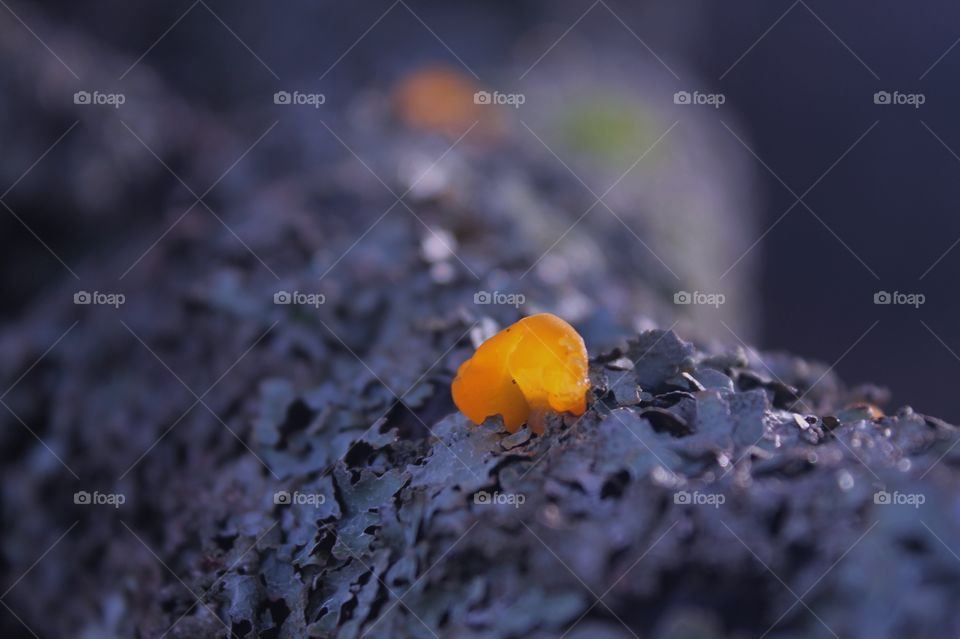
<point x="534" y="366"/>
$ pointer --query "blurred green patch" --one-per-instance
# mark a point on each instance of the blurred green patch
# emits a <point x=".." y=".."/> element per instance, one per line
<point x="608" y="129"/>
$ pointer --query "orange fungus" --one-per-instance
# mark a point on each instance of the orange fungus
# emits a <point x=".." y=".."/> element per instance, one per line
<point x="437" y="99"/>
<point x="534" y="366"/>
